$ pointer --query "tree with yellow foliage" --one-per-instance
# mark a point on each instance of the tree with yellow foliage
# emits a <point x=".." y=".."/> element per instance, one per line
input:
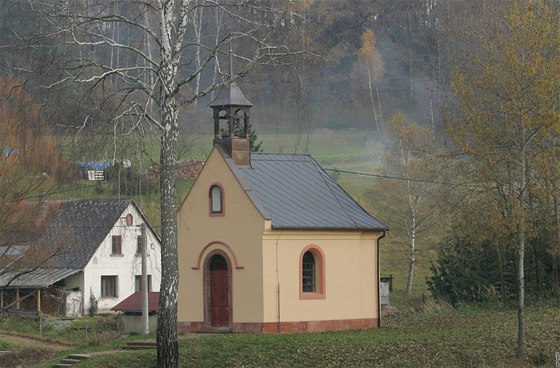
<point x="370" y="68"/>
<point x="507" y="90"/>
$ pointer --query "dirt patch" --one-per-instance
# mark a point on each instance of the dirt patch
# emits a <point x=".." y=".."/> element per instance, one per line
<point x="23" y="340"/>
<point x="25" y="357"/>
<point x="29" y="350"/>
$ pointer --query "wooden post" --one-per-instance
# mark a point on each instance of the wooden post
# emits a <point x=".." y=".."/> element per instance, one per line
<point x="145" y="316"/>
<point x="1" y="301"/>
<point x="17" y="298"/>
<point x="39" y="301"/>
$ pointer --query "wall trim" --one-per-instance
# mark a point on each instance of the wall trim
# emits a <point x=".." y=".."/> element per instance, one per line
<point x="286" y="327"/>
<point x="217" y="243"/>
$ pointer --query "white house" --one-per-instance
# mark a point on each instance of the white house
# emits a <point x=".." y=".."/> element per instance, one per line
<point x="96" y="256"/>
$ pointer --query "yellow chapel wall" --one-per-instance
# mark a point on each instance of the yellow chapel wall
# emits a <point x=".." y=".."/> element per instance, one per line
<point x="351" y="285"/>
<point x="241" y="229"/>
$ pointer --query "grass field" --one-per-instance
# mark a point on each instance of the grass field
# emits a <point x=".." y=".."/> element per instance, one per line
<point x="417" y="335"/>
<point x="433" y="337"/>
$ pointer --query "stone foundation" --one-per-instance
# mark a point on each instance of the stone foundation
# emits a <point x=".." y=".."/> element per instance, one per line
<point x="285" y="327"/>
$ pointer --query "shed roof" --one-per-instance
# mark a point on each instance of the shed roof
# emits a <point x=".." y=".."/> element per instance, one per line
<point x="39" y="278"/>
<point x="134" y="303"/>
<point x="294" y="192"/>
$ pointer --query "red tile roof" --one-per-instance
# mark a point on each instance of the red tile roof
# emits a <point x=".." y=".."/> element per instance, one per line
<point x="134" y="303"/>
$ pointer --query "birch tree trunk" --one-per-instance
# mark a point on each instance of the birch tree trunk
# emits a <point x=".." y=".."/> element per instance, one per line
<point x="370" y="88"/>
<point x="521" y="354"/>
<point x="148" y="86"/>
<point x="411" y="255"/>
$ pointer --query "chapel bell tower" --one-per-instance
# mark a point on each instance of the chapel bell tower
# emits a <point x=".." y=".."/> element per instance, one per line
<point x="231" y="124"/>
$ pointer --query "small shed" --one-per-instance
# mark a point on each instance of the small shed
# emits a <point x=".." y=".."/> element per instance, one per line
<point x="131" y="308"/>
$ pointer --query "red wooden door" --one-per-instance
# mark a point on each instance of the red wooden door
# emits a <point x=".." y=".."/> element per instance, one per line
<point x="219" y="292"/>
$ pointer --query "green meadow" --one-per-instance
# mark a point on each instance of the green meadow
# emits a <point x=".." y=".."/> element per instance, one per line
<point x="417" y="332"/>
<point x="433" y="336"/>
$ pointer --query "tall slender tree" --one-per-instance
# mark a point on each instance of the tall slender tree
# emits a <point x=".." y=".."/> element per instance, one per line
<point x="370" y="68"/>
<point x="154" y="42"/>
<point x="507" y="90"/>
<point x="408" y="155"/>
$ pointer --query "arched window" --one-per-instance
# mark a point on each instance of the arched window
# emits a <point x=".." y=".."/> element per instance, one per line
<point x="308" y="273"/>
<point x="129" y="220"/>
<point x="312" y="273"/>
<point x="216" y="200"/>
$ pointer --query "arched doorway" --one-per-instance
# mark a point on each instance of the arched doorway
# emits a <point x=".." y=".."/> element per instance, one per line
<point x="218" y="291"/>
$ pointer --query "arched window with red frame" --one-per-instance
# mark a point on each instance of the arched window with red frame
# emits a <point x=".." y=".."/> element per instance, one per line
<point x="312" y="273"/>
<point x="216" y="195"/>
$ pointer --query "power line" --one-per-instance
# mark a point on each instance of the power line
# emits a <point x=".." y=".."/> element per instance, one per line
<point x="390" y="177"/>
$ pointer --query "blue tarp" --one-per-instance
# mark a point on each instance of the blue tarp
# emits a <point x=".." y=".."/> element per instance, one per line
<point x="10" y="151"/>
<point x="95" y="165"/>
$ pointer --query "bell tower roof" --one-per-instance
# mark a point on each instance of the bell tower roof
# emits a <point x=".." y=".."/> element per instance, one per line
<point x="231" y="96"/>
<point x="232" y="109"/>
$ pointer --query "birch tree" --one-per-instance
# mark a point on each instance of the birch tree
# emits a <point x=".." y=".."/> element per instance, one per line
<point x="407" y="156"/>
<point x="162" y="77"/>
<point x="507" y="90"/>
<point x="370" y="69"/>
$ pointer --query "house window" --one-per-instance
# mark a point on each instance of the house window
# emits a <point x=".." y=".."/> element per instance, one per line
<point x="312" y="273"/>
<point x="108" y="286"/>
<point x="116" y="247"/>
<point x="139" y="245"/>
<point x="138" y="283"/>
<point x="129" y="220"/>
<point x="309" y="275"/>
<point x="216" y="200"/>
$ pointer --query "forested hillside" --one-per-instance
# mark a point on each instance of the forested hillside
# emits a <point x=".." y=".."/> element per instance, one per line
<point x="363" y="61"/>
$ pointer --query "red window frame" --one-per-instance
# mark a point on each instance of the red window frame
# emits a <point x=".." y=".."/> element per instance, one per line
<point x="318" y="289"/>
<point x="211" y="200"/>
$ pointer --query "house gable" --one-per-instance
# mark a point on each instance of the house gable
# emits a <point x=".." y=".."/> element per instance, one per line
<point x="124" y="266"/>
<point x="236" y="234"/>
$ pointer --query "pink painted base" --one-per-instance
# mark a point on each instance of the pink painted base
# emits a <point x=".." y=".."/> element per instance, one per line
<point x="286" y="327"/>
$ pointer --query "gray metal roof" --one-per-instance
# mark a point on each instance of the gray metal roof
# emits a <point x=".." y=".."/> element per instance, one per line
<point x="78" y="229"/>
<point x="231" y="95"/>
<point x="39" y="278"/>
<point x="294" y="192"/>
<point x="73" y="231"/>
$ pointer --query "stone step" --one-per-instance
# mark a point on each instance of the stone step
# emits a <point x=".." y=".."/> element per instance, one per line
<point x="69" y="361"/>
<point x="139" y="345"/>
<point x="79" y="356"/>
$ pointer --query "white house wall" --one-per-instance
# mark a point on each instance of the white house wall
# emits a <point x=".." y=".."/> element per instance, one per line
<point x="125" y="266"/>
<point x="75" y="281"/>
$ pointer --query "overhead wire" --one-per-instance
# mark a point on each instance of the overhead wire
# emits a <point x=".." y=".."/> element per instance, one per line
<point x="392" y="177"/>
